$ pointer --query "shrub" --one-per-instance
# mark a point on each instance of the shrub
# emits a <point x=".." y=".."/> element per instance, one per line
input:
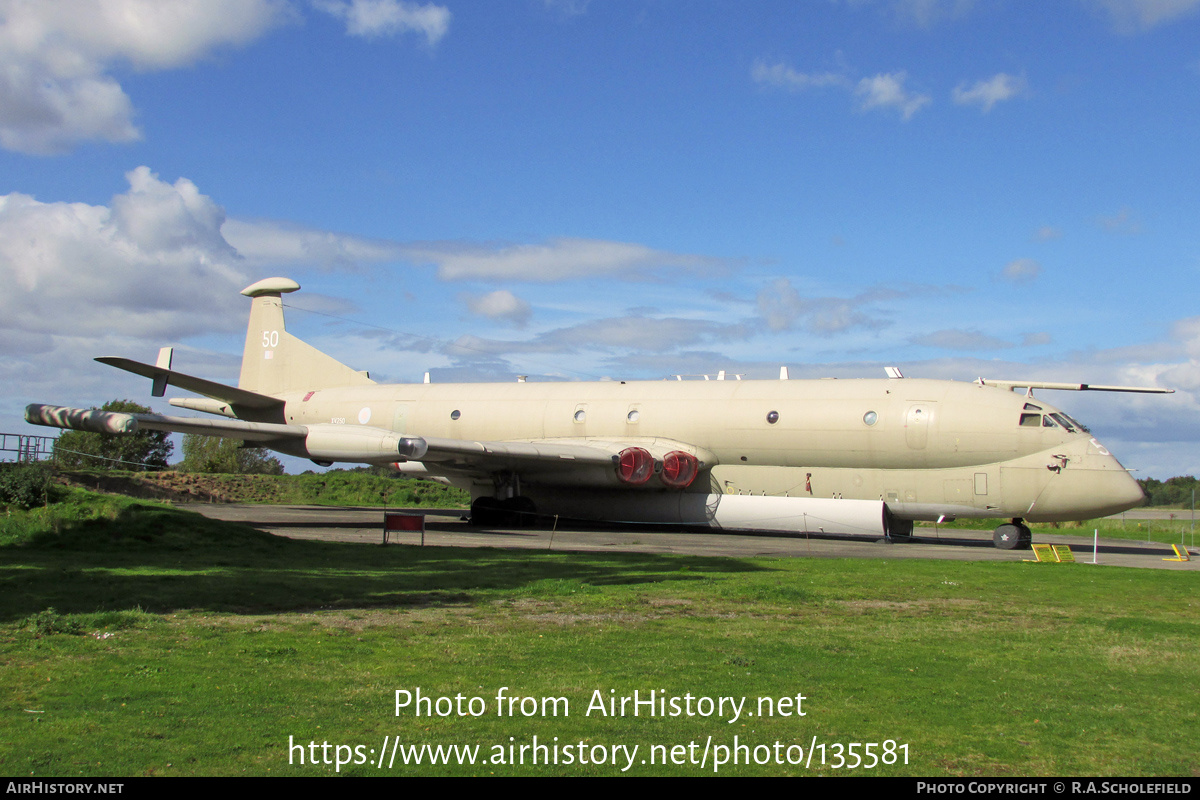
<point x="26" y="486"/>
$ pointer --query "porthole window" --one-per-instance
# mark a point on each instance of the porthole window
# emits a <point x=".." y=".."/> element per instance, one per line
<point x="580" y="415"/>
<point x="455" y="414"/>
<point x="772" y="417"/>
<point x="632" y="416"/>
<point x="870" y="418"/>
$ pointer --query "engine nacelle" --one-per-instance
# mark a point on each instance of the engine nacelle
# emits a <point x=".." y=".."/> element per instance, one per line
<point x="352" y="443"/>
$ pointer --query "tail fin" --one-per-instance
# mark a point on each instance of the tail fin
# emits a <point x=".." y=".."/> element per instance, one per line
<point x="274" y="361"/>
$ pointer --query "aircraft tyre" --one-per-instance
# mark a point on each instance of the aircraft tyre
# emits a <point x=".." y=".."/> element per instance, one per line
<point x="520" y="511"/>
<point x="900" y="530"/>
<point x="486" y="512"/>
<point x="1011" y="536"/>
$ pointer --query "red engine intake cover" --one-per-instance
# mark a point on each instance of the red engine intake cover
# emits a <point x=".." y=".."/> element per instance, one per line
<point x="679" y="469"/>
<point x="635" y="466"/>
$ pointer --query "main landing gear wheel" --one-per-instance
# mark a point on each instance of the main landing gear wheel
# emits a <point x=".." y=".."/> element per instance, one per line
<point x="515" y="512"/>
<point x="899" y="530"/>
<point x="485" y="512"/>
<point x="1012" y="536"/>
<point x="521" y="512"/>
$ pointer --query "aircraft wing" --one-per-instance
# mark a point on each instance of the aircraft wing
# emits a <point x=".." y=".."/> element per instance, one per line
<point x="1071" y="387"/>
<point x="539" y="454"/>
<point x="327" y="442"/>
<point x="82" y="419"/>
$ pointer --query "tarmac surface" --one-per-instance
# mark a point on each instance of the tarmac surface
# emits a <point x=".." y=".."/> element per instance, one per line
<point x="449" y="529"/>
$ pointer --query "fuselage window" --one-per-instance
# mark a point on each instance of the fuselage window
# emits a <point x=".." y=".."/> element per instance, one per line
<point x="870" y="418"/>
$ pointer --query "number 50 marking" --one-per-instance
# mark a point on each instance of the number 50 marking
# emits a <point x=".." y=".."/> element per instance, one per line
<point x="270" y="338"/>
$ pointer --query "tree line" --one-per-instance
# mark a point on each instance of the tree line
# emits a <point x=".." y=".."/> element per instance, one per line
<point x="1171" y="492"/>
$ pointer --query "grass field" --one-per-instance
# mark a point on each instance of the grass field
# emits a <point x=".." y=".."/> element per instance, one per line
<point x="1166" y="531"/>
<point x="139" y="639"/>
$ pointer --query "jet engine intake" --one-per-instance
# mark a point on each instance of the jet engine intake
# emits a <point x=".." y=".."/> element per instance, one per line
<point x="635" y="465"/>
<point x="679" y="469"/>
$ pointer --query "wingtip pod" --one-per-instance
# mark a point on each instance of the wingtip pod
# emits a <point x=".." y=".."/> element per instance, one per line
<point x="81" y="419"/>
<point x="271" y="286"/>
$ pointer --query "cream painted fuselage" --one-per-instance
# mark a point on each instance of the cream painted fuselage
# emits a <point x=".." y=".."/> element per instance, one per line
<point x="926" y="448"/>
<point x="842" y="456"/>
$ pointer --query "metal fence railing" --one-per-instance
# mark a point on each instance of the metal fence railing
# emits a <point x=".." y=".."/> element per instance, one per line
<point x="25" y="449"/>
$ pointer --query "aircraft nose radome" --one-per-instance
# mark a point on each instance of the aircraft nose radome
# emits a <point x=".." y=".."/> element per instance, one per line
<point x="1108" y="492"/>
<point x="1129" y="494"/>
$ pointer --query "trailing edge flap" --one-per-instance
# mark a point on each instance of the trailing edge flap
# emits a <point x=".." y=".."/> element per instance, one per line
<point x="227" y="428"/>
<point x="217" y="391"/>
<point x="541" y="454"/>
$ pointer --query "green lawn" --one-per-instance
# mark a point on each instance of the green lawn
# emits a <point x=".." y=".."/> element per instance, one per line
<point x="183" y="646"/>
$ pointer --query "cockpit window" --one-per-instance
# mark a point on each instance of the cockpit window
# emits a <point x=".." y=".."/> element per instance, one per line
<point x="1048" y="423"/>
<point x="1081" y="427"/>
<point x="1031" y="420"/>
<point x="1061" y="419"/>
<point x="1032" y="407"/>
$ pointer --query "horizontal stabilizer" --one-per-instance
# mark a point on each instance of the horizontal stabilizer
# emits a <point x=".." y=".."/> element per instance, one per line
<point x="1071" y="387"/>
<point x="217" y="391"/>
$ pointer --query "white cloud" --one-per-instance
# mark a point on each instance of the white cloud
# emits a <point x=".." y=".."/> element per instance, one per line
<point x="1132" y="16"/>
<point x="1047" y="233"/>
<point x="281" y="244"/>
<point x="559" y="259"/>
<point x="1036" y="339"/>
<point x="783" y="308"/>
<point x="55" y="57"/>
<point x="1124" y="221"/>
<point x="784" y="77"/>
<point x="1023" y="270"/>
<point x="500" y="305"/>
<point x="371" y="18"/>
<point x="926" y="12"/>
<point x="953" y="339"/>
<point x="152" y="264"/>
<point x="568" y="8"/>
<point x="887" y="91"/>
<point x="633" y="332"/>
<point x="986" y="94"/>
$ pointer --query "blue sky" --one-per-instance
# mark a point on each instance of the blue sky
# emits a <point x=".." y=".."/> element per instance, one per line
<point x="614" y="188"/>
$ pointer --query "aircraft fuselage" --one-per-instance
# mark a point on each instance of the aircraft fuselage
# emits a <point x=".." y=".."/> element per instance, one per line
<point x="927" y="448"/>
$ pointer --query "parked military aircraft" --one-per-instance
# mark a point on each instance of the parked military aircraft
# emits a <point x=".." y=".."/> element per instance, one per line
<point x="838" y="456"/>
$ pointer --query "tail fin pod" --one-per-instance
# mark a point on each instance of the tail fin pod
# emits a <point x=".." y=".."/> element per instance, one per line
<point x="273" y="360"/>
